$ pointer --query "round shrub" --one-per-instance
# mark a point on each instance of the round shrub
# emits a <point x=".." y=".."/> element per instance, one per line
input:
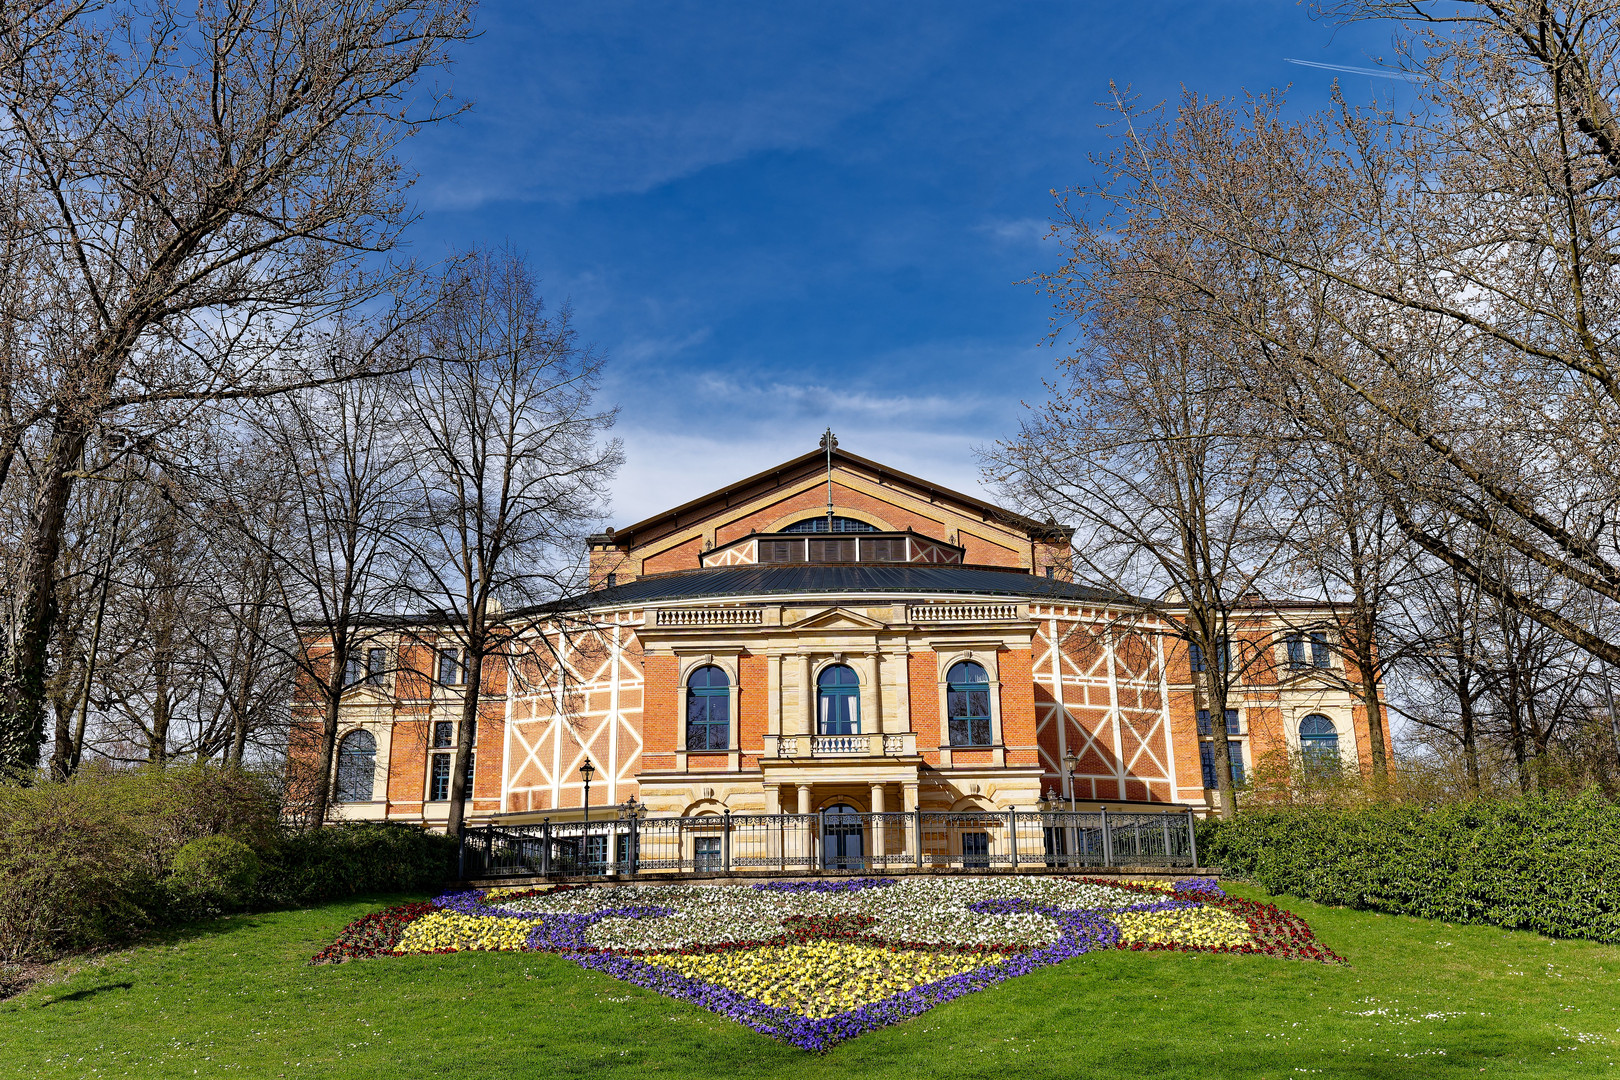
<point x="217" y="869"/>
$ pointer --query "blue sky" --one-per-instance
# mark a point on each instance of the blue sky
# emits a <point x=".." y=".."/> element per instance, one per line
<point x="776" y="218"/>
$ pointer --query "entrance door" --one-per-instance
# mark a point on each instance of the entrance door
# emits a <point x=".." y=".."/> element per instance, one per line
<point x="841" y="838"/>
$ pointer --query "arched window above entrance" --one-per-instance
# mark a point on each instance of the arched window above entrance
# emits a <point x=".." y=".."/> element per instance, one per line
<point x="838" y="701"/>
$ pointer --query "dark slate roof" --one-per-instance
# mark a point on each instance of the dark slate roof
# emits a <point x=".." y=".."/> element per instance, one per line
<point x="736" y="581"/>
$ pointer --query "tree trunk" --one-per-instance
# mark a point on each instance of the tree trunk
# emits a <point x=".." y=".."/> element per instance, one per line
<point x="1470" y="743"/>
<point x="476" y="643"/>
<point x="1215" y="695"/>
<point x="329" y="727"/>
<point x="22" y="677"/>
<point x="1370" y="698"/>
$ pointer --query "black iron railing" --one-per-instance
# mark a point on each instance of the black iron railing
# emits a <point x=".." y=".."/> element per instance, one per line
<point x="916" y="840"/>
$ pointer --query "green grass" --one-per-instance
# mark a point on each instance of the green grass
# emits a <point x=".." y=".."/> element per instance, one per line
<point x="1420" y="999"/>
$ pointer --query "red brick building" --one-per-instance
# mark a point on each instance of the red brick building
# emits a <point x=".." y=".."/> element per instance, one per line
<point x="913" y="647"/>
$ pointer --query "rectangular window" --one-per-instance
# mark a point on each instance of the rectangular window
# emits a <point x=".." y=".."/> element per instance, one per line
<point x="1206" y="758"/>
<point x="1231" y="722"/>
<point x="976" y="849"/>
<point x="1223" y="654"/>
<point x="353" y="670"/>
<point x="612" y="580"/>
<point x="444" y="734"/>
<point x="376" y="661"/>
<point x="1055" y="840"/>
<point x="468" y="780"/>
<point x="781" y="551"/>
<point x="706" y="853"/>
<point x="450" y="667"/>
<point x="439" y="778"/>
<point x="596" y="849"/>
<point x="1296" y="651"/>
<point x="1051" y="571"/>
<point x="1321" y="655"/>
<point x="832" y="550"/>
<point x="883" y="550"/>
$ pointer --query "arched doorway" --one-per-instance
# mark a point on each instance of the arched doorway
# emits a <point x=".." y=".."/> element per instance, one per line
<point x="841" y="840"/>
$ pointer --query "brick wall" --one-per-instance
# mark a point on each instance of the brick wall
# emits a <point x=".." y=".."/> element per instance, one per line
<point x="1017" y="706"/>
<point x="660" y="711"/>
<point x="753" y="702"/>
<point x="925" y="712"/>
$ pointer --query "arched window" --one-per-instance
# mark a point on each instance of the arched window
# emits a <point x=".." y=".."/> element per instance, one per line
<point x="967" y="704"/>
<point x="839" y="524"/>
<point x="708" y="709"/>
<point x="1319" y="741"/>
<point x="840" y="700"/>
<point x="357" y="767"/>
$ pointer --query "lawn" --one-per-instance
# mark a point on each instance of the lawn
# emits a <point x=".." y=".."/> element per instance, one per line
<point x="1418" y="999"/>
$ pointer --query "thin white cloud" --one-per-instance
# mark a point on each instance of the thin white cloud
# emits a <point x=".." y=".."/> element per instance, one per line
<point x="562" y="115"/>
<point x="1019" y="231"/>
<point x="1381" y="73"/>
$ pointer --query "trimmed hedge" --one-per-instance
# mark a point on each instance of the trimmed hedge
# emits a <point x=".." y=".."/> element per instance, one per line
<point x="1545" y="863"/>
<point x="356" y="857"/>
<point x="112" y="854"/>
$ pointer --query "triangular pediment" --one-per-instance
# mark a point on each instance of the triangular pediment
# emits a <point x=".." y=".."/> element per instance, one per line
<point x="837" y="618"/>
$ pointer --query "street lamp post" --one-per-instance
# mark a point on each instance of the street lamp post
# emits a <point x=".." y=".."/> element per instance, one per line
<point x="586" y="771"/>
<point x="1071" y="835"/>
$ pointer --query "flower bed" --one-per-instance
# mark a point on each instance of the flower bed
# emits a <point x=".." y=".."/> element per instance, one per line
<point x="818" y="962"/>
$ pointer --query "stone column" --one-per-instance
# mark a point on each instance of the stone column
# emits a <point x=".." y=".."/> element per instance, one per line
<point x="807" y="700"/>
<point x="880" y="834"/>
<point x="804" y="798"/>
<point x="908" y="802"/>
<point x="773" y="694"/>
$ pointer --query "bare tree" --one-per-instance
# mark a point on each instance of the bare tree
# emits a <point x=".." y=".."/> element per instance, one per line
<point x="1148" y="449"/>
<point x="512" y="462"/>
<point x="196" y="182"/>
<point x="1343" y="543"/>
<point x="332" y="463"/>
<point x="1450" y="267"/>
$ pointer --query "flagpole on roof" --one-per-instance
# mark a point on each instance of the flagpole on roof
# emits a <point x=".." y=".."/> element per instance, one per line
<point x="828" y="441"/>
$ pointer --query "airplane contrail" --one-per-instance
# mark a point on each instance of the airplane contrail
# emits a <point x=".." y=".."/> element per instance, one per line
<point x="1382" y="73"/>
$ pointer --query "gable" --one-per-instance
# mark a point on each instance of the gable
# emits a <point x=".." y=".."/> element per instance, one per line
<point x="836" y="618"/>
<point x="869" y="492"/>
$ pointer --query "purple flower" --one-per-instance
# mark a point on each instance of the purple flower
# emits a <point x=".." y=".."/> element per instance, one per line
<point x="1083" y="932"/>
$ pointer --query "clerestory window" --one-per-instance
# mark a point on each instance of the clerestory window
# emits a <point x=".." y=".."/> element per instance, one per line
<point x="835" y="524"/>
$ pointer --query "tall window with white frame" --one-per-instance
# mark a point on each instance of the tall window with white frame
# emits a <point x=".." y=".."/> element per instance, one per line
<point x="1223" y="656"/>
<point x="1206" y="750"/>
<point x="357" y="767"/>
<point x="708" y="709"/>
<point x="450" y="666"/>
<point x="967" y="704"/>
<point x="1319" y="745"/>
<point x="838" y="698"/>
<point x="443" y="760"/>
